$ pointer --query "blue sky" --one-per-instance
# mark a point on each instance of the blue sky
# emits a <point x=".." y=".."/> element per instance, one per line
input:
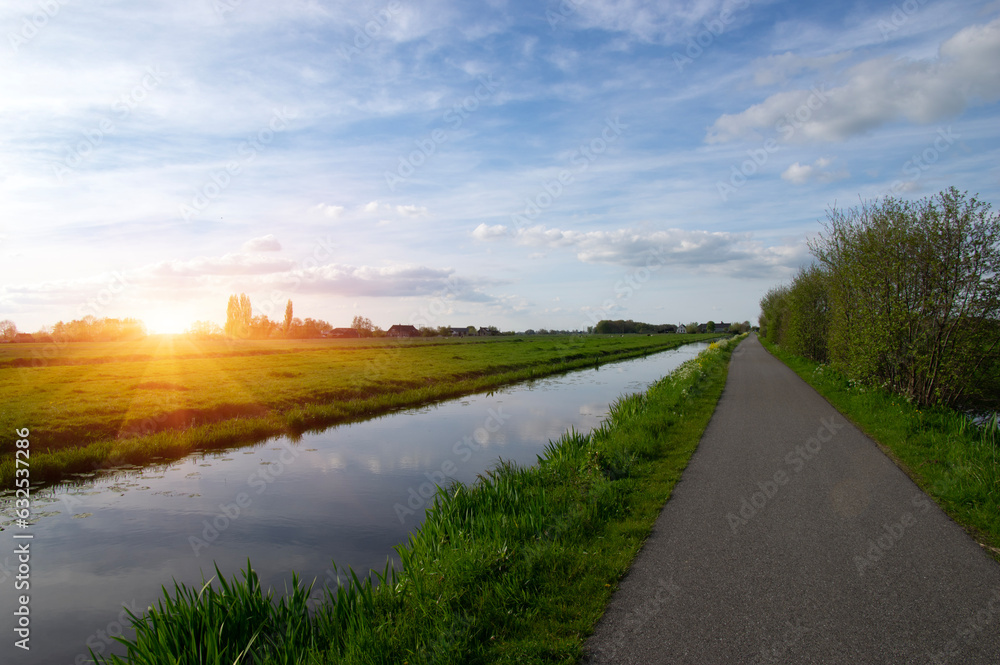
<point x="518" y="164"/>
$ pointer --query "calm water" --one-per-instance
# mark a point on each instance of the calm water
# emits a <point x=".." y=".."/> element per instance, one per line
<point x="349" y="494"/>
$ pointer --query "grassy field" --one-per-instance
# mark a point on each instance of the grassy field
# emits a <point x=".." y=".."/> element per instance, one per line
<point x="94" y="405"/>
<point x="950" y="457"/>
<point x="516" y="568"/>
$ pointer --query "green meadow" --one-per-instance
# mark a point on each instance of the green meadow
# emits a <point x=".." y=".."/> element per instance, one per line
<point x="102" y="404"/>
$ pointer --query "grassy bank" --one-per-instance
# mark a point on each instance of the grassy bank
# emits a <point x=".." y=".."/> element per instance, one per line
<point x="515" y="568"/>
<point x="94" y="405"/>
<point x="952" y="459"/>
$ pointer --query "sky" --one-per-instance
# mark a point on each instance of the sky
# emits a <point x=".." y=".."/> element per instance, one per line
<point x="520" y="164"/>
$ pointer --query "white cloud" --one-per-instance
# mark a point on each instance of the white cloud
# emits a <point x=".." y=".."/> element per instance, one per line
<point x="670" y="23"/>
<point x="385" y="281"/>
<point x="486" y="232"/>
<point x="736" y="253"/>
<point x="411" y="210"/>
<point x="329" y="210"/>
<point x="877" y="92"/>
<point x="799" y="174"/>
<point x="266" y="243"/>
<point x="228" y="264"/>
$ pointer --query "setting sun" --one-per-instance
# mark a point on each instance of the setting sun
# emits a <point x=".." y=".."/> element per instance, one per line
<point x="167" y="322"/>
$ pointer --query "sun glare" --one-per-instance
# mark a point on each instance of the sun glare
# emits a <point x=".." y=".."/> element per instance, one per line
<point x="166" y="322"/>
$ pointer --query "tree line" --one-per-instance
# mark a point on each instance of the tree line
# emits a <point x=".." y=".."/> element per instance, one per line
<point x="88" y="329"/>
<point x="620" y="327"/>
<point x="241" y="323"/>
<point x="903" y="295"/>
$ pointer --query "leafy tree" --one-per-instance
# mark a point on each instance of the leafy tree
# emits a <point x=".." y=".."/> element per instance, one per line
<point x="808" y="315"/>
<point x="7" y="330"/>
<point x="773" y="314"/>
<point x="915" y="294"/>
<point x="288" y="318"/>
<point x="204" y="329"/>
<point x="906" y="295"/>
<point x="314" y="327"/>
<point x="92" y="329"/>
<point x="363" y="325"/>
<point x="710" y="326"/>
<point x="261" y="327"/>
<point x="692" y="327"/>
<point x="239" y="316"/>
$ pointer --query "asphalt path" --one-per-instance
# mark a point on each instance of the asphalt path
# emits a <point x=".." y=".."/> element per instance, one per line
<point x="791" y="538"/>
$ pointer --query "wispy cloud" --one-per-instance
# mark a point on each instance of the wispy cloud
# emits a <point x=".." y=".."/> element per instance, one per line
<point x="702" y="250"/>
<point x="877" y="92"/>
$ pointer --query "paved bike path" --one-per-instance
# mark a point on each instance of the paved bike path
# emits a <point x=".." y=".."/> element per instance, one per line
<point x="791" y="538"/>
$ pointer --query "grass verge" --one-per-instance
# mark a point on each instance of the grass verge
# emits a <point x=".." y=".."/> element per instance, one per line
<point x="952" y="458"/>
<point x="515" y="568"/>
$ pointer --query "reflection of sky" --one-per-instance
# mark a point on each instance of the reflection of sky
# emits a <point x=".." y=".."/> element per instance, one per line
<point x="115" y="540"/>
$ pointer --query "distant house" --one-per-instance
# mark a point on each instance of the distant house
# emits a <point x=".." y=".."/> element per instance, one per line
<point x="460" y="332"/>
<point x="682" y="329"/>
<point x="702" y="327"/>
<point x="342" y="332"/>
<point x="722" y="327"/>
<point x="667" y="328"/>
<point x="399" y="330"/>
